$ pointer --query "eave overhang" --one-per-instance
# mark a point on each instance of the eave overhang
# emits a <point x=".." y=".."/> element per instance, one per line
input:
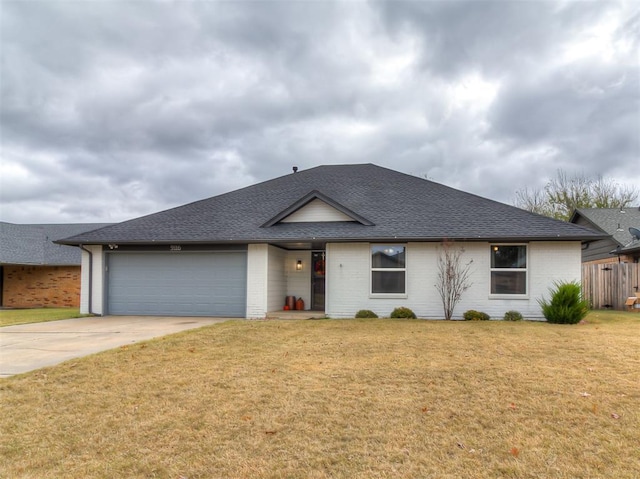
<point x="340" y="239"/>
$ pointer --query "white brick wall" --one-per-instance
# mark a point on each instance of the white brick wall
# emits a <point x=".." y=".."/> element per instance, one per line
<point x="422" y="275"/>
<point x="84" y="282"/>
<point x="347" y="287"/>
<point x="276" y="280"/>
<point x="298" y="282"/>
<point x="272" y="276"/>
<point x="257" y="268"/>
<point x="97" y="287"/>
<point x="279" y="277"/>
<point x="348" y="280"/>
<point x="553" y="261"/>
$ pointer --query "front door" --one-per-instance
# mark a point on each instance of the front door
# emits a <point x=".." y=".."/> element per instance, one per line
<point x="317" y="280"/>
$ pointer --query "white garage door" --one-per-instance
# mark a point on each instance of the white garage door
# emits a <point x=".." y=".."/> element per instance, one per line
<point x="182" y="284"/>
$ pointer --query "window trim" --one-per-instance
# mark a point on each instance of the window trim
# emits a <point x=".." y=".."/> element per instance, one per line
<point x="518" y="270"/>
<point x="372" y="269"/>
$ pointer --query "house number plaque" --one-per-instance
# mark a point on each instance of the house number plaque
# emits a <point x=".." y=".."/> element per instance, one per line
<point x="175" y="247"/>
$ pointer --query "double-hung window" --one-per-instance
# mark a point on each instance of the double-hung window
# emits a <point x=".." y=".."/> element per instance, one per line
<point x="388" y="269"/>
<point x="508" y="269"/>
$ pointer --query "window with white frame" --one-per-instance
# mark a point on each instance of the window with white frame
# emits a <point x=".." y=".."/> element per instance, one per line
<point x="388" y="269"/>
<point x="508" y="269"/>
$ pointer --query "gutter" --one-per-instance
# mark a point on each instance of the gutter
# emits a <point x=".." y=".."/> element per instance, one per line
<point x="90" y="276"/>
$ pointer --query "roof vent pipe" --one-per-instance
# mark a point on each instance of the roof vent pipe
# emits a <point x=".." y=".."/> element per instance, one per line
<point x="295" y="169"/>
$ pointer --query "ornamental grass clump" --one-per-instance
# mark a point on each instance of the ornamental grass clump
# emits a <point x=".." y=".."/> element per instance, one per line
<point x="566" y="306"/>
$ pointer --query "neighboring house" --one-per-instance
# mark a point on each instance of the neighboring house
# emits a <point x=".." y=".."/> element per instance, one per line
<point x="620" y="245"/>
<point x="34" y="271"/>
<point x="343" y="238"/>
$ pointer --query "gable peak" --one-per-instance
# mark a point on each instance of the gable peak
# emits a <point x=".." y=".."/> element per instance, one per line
<point x="315" y="207"/>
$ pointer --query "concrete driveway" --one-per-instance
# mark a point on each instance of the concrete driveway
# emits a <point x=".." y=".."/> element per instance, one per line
<point x="27" y="347"/>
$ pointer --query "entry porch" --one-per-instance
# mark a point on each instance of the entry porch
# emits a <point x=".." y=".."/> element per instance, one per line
<point x="280" y="271"/>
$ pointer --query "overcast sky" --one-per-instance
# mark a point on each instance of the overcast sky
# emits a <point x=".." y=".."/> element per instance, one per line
<point x="115" y="109"/>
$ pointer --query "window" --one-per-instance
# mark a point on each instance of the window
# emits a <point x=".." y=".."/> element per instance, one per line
<point x="388" y="269"/>
<point x="508" y="269"/>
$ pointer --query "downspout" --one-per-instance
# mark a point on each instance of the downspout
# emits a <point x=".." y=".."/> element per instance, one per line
<point x="90" y="276"/>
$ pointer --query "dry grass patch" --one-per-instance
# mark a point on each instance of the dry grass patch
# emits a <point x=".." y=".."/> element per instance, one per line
<point x="9" y="317"/>
<point x="339" y="399"/>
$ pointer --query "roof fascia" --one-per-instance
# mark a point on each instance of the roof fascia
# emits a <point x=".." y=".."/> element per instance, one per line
<point x="308" y="198"/>
<point x="630" y="248"/>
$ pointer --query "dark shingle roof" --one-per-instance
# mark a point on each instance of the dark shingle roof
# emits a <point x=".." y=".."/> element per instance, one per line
<point x="632" y="247"/>
<point x="613" y="221"/>
<point x="33" y="244"/>
<point x="400" y="206"/>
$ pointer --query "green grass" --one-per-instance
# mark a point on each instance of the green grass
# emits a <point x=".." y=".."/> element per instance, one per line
<point x="371" y="398"/>
<point x="9" y="317"/>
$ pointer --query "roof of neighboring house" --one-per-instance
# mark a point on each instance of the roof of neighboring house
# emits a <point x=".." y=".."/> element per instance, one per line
<point x="613" y="221"/>
<point x="632" y="247"/>
<point x="33" y="244"/>
<point x="385" y="206"/>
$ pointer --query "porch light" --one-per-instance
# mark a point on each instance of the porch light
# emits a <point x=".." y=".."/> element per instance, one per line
<point x="299" y="265"/>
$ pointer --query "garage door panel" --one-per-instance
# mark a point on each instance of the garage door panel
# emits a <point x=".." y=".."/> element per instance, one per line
<point x="186" y="284"/>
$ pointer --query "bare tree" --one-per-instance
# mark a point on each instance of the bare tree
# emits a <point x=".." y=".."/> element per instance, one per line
<point x="608" y="194"/>
<point x="563" y="194"/>
<point x="453" y="277"/>
<point x="534" y="201"/>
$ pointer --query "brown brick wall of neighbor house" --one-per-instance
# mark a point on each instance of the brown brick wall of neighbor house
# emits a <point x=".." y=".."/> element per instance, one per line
<point x="41" y="286"/>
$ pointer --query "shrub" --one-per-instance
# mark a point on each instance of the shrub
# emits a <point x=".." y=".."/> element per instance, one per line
<point x="512" y="316"/>
<point x="404" y="313"/>
<point x="366" y="313"/>
<point x="566" y="306"/>
<point x="473" y="315"/>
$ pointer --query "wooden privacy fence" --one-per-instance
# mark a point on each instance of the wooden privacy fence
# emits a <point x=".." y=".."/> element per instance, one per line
<point x="607" y="286"/>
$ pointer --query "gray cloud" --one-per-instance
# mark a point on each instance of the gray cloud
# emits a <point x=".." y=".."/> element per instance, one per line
<point x="112" y="110"/>
<point x="497" y="38"/>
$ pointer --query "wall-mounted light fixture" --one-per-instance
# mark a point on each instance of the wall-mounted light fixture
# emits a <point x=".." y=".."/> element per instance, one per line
<point x="299" y="265"/>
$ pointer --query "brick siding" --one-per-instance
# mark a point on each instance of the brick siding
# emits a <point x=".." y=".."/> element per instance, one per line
<point x="349" y="279"/>
<point x="41" y="286"/>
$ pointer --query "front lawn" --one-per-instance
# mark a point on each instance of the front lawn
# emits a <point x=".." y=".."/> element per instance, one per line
<point x="338" y="399"/>
<point x="38" y="315"/>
